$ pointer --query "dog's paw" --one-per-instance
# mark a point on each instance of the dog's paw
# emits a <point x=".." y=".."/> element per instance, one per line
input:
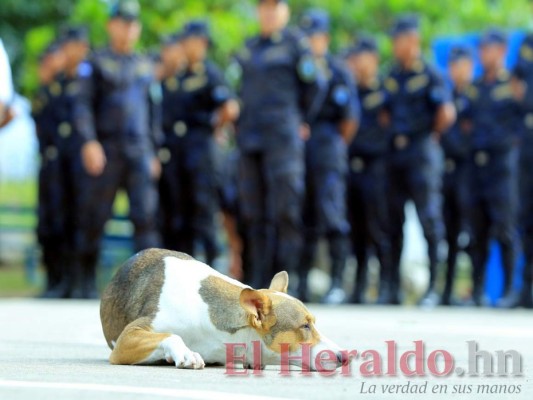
<point x="176" y="352"/>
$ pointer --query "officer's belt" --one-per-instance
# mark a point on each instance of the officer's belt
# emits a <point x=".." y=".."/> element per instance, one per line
<point x="483" y="157"/>
<point x="360" y="162"/>
<point x="402" y="141"/>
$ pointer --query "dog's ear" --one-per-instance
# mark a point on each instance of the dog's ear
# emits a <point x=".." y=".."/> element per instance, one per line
<point x="258" y="306"/>
<point x="280" y="282"/>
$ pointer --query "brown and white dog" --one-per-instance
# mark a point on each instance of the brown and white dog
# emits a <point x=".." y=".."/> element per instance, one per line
<point x="166" y="306"/>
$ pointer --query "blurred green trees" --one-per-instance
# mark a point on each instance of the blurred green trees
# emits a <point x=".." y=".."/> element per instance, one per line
<point x="27" y="26"/>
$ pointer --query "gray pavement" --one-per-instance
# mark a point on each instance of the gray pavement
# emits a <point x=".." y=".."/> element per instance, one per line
<point x="55" y="350"/>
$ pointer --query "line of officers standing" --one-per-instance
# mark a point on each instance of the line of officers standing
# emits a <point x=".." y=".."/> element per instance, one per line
<point x="325" y="148"/>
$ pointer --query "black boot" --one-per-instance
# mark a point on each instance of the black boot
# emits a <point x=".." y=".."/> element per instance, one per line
<point x="261" y="243"/>
<point x="51" y="256"/>
<point x="90" y="288"/>
<point x="446" y="299"/>
<point x="385" y="279"/>
<point x="338" y="249"/>
<point x="511" y="297"/>
<point x="432" y="297"/>
<point x="359" y="291"/>
<point x="306" y="263"/>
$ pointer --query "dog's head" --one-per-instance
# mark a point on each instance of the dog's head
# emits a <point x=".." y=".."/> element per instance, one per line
<point x="279" y="318"/>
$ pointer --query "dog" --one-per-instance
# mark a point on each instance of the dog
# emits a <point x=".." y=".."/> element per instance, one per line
<point x="165" y="306"/>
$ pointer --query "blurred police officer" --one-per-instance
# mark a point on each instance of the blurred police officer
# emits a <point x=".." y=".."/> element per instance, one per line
<point x="495" y="123"/>
<point x="276" y="73"/>
<point x="72" y="177"/>
<point x="120" y="139"/>
<point x="367" y="197"/>
<point x="523" y="88"/>
<point x="50" y="225"/>
<point x="173" y="66"/>
<point x="455" y="144"/>
<point x="207" y="104"/>
<point x="331" y="131"/>
<point x="421" y="109"/>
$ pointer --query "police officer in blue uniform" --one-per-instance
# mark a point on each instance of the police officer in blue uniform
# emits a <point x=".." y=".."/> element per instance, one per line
<point x="496" y="119"/>
<point x="455" y="144"/>
<point x="523" y="89"/>
<point x="367" y="188"/>
<point x="207" y="104"/>
<point x="116" y="119"/>
<point x="421" y="110"/>
<point x="50" y="224"/>
<point x="175" y="235"/>
<point x="331" y="131"/>
<point x="276" y="72"/>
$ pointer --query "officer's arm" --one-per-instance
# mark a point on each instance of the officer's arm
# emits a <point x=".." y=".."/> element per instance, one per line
<point x="93" y="155"/>
<point x="523" y="64"/>
<point x="350" y="110"/>
<point x="444" y="119"/>
<point x="445" y="113"/>
<point x="84" y="103"/>
<point x="313" y="86"/>
<point x="155" y="99"/>
<point x="223" y="99"/>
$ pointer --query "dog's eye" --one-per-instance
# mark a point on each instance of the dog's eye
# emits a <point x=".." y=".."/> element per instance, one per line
<point x="307" y="327"/>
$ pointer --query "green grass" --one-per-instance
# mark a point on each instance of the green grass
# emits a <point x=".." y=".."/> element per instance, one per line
<point x="13" y="283"/>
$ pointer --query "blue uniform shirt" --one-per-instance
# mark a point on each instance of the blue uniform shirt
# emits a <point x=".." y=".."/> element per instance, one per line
<point x="204" y="91"/>
<point x="117" y="102"/>
<point x="455" y="142"/>
<point x="341" y="101"/>
<point x="279" y="89"/>
<point x="372" y="137"/>
<point x="413" y="97"/>
<point x="172" y="106"/>
<point x="495" y="114"/>
<point x="43" y="114"/>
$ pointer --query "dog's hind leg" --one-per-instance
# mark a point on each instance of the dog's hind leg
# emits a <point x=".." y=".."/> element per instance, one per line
<point x="139" y="344"/>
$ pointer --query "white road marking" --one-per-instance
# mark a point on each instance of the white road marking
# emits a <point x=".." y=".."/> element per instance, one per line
<point x="153" y="391"/>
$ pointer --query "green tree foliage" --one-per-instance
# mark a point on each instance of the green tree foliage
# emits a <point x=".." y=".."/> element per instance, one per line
<point x="27" y="26"/>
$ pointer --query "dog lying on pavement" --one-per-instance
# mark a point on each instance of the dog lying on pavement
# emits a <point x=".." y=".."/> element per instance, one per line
<point x="166" y="306"/>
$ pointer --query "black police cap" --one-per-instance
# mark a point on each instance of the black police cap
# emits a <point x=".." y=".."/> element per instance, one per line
<point x="365" y="44"/>
<point x="315" y="21"/>
<point x="406" y="23"/>
<point x="128" y="10"/>
<point x="74" y="34"/>
<point x="196" y="28"/>
<point x="52" y="48"/>
<point x="459" y="52"/>
<point x="169" y="40"/>
<point x="493" y="36"/>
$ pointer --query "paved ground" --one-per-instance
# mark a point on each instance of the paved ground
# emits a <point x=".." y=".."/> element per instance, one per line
<point x="55" y="350"/>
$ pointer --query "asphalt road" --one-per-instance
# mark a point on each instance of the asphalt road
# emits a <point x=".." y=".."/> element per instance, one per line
<point x="55" y="350"/>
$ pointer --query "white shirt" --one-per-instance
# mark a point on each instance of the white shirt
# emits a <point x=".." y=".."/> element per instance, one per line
<point x="6" y="84"/>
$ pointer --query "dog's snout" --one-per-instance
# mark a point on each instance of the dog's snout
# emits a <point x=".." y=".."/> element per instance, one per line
<point x="341" y="359"/>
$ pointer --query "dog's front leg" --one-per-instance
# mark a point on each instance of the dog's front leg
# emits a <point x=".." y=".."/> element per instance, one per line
<point x="139" y="344"/>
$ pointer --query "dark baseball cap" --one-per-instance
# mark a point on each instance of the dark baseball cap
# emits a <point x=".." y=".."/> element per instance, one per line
<point x="277" y="1"/>
<point x="52" y="48"/>
<point x="404" y="24"/>
<point x="128" y="10"/>
<point x="365" y="44"/>
<point x="493" y="36"/>
<point x="459" y="52"/>
<point x="315" y="21"/>
<point x="74" y="34"/>
<point x="173" y="38"/>
<point x="196" y="28"/>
